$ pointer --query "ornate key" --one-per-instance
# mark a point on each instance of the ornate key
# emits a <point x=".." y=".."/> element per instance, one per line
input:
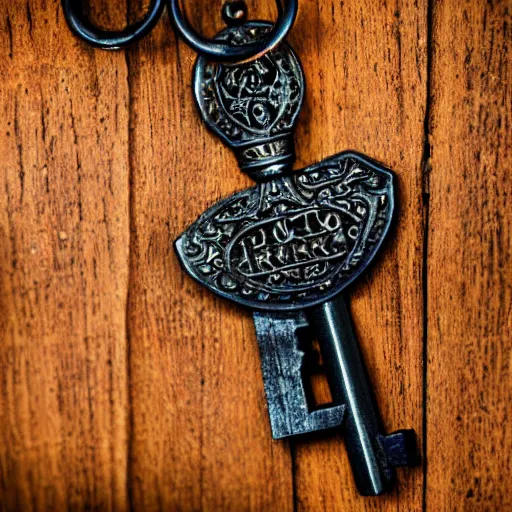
<point x="289" y="246"/>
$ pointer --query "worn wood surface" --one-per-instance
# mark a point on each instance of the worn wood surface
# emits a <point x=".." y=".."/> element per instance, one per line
<point x="124" y="385"/>
<point x="64" y="251"/>
<point x="469" y="345"/>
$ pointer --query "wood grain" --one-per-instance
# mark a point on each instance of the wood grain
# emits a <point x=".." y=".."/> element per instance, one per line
<point x="201" y="437"/>
<point x="124" y="385"/>
<point x="64" y="266"/>
<point x="469" y="262"/>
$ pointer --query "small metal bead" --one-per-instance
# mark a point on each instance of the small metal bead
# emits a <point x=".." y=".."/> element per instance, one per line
<point x="234" y="13"/>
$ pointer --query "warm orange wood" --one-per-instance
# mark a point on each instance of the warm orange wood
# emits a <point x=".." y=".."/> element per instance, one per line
<point x="63" y="266"/>
<point x="124" y="385"/>
<point x="201" y="437"/>
<point x="469" y="264"/>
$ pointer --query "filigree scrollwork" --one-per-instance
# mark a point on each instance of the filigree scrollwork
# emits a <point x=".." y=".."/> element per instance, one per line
<point x="294" y="241"/>
<point x="252" y="106"/>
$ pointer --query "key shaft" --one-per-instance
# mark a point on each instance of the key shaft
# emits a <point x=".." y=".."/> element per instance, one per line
<point x="372" y="455"/>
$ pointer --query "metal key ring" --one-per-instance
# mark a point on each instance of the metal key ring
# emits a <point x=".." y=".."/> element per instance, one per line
<point x="110" y="39"/>
<point x="224" y="52"/>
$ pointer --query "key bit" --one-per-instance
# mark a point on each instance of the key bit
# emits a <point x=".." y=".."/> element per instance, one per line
<point x="281" y="363"/>
<point x="289" y="247"/>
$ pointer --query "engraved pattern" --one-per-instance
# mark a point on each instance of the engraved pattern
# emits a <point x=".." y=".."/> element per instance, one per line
<point x="255" y="100"/>
<point x="295" y="241"/>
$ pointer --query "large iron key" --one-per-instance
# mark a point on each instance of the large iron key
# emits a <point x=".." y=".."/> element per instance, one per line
<point x="290" y="246"/>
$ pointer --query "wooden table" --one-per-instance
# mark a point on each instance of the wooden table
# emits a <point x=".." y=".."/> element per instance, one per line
<point x="124" y="385"/>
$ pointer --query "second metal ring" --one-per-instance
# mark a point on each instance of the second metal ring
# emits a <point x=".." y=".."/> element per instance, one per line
<point x="224" y="52"/>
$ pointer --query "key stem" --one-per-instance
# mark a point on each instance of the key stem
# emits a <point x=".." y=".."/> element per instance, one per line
<point x="349" y="384"/>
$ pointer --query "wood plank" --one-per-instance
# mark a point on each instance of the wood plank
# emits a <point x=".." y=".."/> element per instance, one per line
<point x="201" y="437"/>
<point x="469" y="265"/>
<point x="63" y="265"/>
<point x="366" y="69"/>
<point x="164" y="409"/>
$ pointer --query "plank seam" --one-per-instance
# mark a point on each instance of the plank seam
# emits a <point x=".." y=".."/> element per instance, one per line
<point x="425" y="169"/>
<point x="131" y="223"/>
<point x="293" y="457"/>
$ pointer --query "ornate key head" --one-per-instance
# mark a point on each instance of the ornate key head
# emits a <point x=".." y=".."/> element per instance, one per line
<point x="252" y="107"/>
<point x="295" y="241"/>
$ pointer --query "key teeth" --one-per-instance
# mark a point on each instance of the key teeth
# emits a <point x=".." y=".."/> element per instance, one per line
<point x="400" y="448"/>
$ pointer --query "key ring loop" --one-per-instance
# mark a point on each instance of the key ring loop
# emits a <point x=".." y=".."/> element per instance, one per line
<point x="224" y="52"/>
<point x="110" y="39"/>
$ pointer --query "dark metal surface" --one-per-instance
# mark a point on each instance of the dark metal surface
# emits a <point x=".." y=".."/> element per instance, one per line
<point x="372" y="455"/>
<point x="293" y="243"/>
<point x="253" y="107"/>
<point x="110" y="39"/>
<point x="282" y="363"/>
<point x="296" y="241"/>
<point x="220" y="51"/>
<point x="233" y="13"/>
